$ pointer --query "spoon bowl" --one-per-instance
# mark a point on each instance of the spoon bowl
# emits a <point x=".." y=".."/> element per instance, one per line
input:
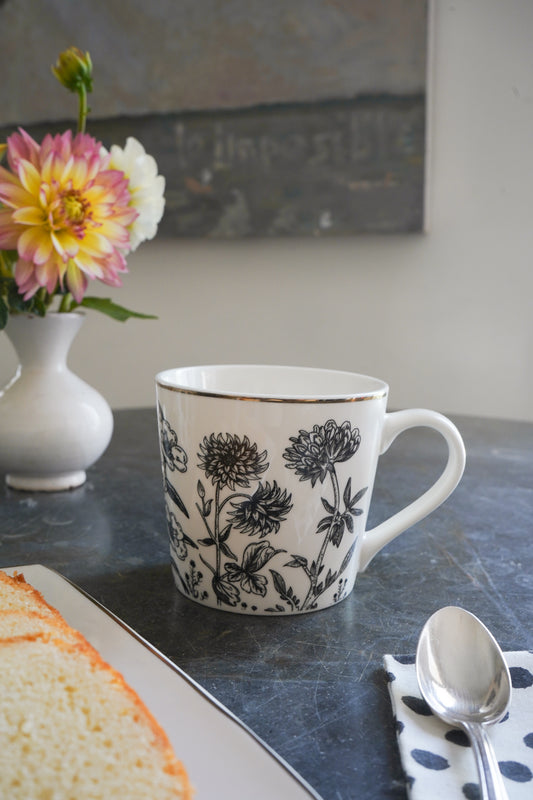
<point x="465" y="680"/>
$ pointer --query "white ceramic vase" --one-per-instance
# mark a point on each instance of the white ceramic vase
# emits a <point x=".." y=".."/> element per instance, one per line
<point x="53" y="425"/>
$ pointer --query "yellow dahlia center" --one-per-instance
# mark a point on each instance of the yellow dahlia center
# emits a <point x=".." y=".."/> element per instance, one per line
<point x="74" y="208"/>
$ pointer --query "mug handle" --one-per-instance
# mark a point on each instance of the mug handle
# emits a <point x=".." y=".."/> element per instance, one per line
<point x="395" y="423"/>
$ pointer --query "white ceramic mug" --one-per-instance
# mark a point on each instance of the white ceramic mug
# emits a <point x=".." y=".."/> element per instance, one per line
<point x="268" y="473"/>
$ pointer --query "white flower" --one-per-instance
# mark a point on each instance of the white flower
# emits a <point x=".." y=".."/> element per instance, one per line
<point x="145" y="185"/>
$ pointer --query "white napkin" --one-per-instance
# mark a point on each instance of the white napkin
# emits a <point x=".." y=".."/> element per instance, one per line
<point x="437" y="760"/>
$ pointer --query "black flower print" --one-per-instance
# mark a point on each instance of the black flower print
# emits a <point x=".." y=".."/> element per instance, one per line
<point x="178" y="538"/>
<point x="254" y="558"/>
<point x="262" y="512"/>
<point x="175" y="457"/>
<point x="338" y="522"/>
<point x="224" y="590"/>
<point x="231" y="461"/>
<point x="191" y="580"/>
<point x="241" y="503"/>
<point x="234" y="463"/>
<point x="314" y="453"/>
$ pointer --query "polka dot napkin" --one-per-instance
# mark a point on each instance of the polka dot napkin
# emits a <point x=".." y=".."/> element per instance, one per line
<point x="437" y="760"/>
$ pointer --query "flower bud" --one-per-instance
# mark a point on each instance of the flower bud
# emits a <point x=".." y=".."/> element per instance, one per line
<point x="74" y="70"/>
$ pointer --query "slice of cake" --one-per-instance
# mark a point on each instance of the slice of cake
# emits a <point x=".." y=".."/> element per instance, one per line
<point x="70" y="726"/>
<point x="26" y="624"/>
<point x="17" y="595"/>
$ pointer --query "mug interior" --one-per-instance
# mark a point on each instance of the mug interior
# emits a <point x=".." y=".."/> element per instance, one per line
<point x="269" y="382"/>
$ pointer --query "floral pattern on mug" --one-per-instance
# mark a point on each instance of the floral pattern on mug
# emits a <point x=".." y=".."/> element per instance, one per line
<point x="178" y="538"/>
<point x="244" y="504"/>
<point x="173" y="459"/>
<point x="313" y="456"/>
<point x="262" y="512"/>
<point x="234" y="463"/>
<point x="231" y="461"/>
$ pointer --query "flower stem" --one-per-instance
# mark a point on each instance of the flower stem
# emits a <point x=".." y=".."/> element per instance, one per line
<point x="83" y="110"/>
<point x="218" y="559"/>
<point x="5" y="271"/>
<point x="65" y="304"/>
<point x="43" y="296"/>
<point x="232" y="497"/>
<point x="217" y="528"/>
<point x="311" y="594"/>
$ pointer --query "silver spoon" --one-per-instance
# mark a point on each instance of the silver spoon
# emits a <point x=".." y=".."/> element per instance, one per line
<point x="465" y="680"/>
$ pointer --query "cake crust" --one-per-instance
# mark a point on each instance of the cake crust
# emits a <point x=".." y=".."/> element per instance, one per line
<point x="71" y="727"/>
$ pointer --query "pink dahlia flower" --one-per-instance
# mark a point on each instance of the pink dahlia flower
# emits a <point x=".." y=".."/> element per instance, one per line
<point x="65" y="212"/>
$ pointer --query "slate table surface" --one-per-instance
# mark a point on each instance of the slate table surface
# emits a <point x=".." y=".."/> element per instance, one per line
<point x="312" y="686"/>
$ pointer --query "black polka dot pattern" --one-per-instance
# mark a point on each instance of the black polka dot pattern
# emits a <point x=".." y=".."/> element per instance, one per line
<point x="438" y="758"/>
<point x="429" y="760"/>
<point x="521" y="678"/>
<point x="516" y="771"/>
<point x="418" y="705"/>
<point x="458" y="737"/>
<point x="472" y="791"/>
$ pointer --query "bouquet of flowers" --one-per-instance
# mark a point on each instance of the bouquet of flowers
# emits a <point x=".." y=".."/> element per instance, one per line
<point x="70" y="211"/>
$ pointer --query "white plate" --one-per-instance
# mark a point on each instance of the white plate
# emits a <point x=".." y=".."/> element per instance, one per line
<point x="225" y="759"/>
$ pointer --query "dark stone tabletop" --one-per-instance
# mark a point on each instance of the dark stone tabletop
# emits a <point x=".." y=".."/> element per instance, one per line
<point x="312" y="686"/>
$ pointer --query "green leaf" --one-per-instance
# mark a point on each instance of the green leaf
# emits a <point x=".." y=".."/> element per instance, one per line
<point x="39" y="306"/>
<point x="106" y="306"/>
<point x="14" y="299"/>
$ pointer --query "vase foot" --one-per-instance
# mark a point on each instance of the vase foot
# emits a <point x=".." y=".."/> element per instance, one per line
<point x="47" y="483"/>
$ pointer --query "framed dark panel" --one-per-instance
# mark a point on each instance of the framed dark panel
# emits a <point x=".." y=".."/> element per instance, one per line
<point x="267" y="119"/>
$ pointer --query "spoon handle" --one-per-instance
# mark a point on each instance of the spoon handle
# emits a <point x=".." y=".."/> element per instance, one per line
<point x="490" y="777"/>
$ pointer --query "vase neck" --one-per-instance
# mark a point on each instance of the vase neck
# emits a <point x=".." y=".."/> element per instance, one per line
<point x="43" y="342"/>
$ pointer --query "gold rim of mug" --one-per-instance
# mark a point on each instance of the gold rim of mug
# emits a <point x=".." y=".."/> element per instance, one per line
<point x="249" y="398"/>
